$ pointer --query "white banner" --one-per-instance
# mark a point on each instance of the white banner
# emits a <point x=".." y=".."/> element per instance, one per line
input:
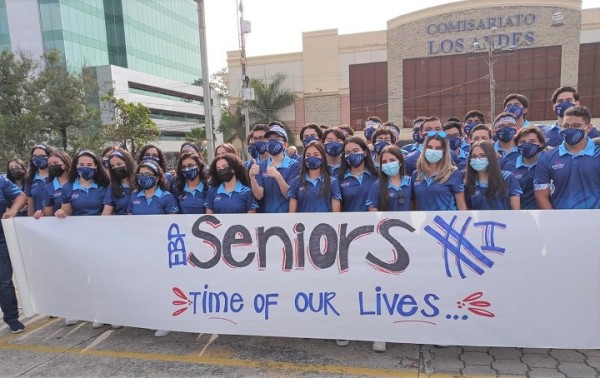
<point x="494" y="278"/>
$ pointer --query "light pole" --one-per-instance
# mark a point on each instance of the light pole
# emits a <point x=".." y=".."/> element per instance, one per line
<point x="490" y="62"/>
<point x="205" y="82"/>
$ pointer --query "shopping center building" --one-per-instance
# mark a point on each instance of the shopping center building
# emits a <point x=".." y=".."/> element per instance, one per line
<point x="436" y="61"/>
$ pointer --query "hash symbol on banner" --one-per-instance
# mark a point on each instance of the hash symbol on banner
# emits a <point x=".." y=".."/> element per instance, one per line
<point x="457" y="246"/>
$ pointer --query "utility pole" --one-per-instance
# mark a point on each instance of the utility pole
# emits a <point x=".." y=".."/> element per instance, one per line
<point x="210" y="136"/>
<point x="491" y="61"/>
<point x="247" y="93"/>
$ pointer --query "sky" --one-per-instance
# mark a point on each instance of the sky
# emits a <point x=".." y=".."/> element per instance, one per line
<point x="277" y="25"/>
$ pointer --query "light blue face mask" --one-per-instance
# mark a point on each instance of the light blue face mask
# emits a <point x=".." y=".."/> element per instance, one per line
<point x="433" y="156"/>
<point x="480" y="164"/>
<point x="391" y="169"/>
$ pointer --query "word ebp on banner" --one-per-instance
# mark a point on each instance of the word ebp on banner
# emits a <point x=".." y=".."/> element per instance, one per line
<point x="493" y="278"/>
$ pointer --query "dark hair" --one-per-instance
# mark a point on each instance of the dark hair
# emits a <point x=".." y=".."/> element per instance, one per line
<point x="100" y="177"/>
<point x="313" y="126"/>
<point x="323" y="127"/>
<point x="451" y="125"/>
<point x="66" y="160"/>
<point x="106" y="150"/>
<point x="189" y="144"/>
<point x="344" y="167"/>
<point x="564" y="89"/>
<point x="453" y="119"/>
<point x="346" y="128"/>
<point x="495" y="180"/>
<point x="383" y="131"/>
<point x="236" y="165"/>
<point x="519" y="97"/>
<point x="22" y="164"/>
<point x="326" y="187"/>
<point x="180" y="179"/>
<point x="474" y="113"/>
<point x="392" y="125"/>
<point x="337" y="131"/>
<point x="481" y="126"/>
<point x="161" y="157"/>
<point x="429" y="119"/>
<point x="115" y="183"/>
<point x="260" y="126"/>
<point x="384" y="200"/>
<point x="375" y="119"/>
<point x="531" y="130"/>
<point x="229" y="148"/>
<point x="31" y="172"/>
<point x="161" y="180"/>
<point x="580" y="111"/>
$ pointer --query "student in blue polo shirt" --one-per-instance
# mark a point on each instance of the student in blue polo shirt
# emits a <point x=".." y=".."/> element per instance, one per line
<point x="568" y="177"/>
<point x="416" y="135"/>
<point x="16" y="172"/>
<point x="270" y="180"/>
<point x="333" y="142"/>
<point x="530" y="142"/>
<point x="315" y="190"/>
<point x="437" y="183"/>
<point x="310" y="132"/>
<point x="150" y="195"/>
<point x="471" y="119"/>
<point x="517" y="105"/>
<point x="486" y="186"/>
<point x="372" y="124"/>
<point x="59" y="166"/>
<point x="153" y="153"/>
<point x="85" y="191"/>
<point x="429" y="124"/>
<point x="37" y="177"/>
<point x="230" y="192"/>
<point x="504" y="131"/>
<point x="356" y="175"/>
<point x="190" y="184"/>
<point x="122" y="170"/>
<point x="257" y="145"/>
<point x="455" y="140"/>
<point x="393" y="190"/>
<point x="381" y="138"/>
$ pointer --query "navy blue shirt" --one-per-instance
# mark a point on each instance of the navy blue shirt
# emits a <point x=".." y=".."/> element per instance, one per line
<point x="239" y="200"/>
<point x="524" y="174"/>
<point x="479" y="201"/>
<point x="573" y="180"/>
<point x="273" y="200"/>
<point x="399" y="198"/>
<point x="52" y="195"/>
<point x="554" y="138"/>
<point x="8" y="193"/>
<point x="432" y="195"/>
<point x="355" y="190"/>
<point x="309" y="197"/>
<point x="162" y="202"/>
<point x="192" y="201"/>
<point x="118" y="204"/>
<point x="36" y="191"/>
<point x="84" y="201"/>
<point x="410" y="162"/>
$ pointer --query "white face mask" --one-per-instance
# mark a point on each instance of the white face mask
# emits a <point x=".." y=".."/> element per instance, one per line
<point x="433" y="156"/>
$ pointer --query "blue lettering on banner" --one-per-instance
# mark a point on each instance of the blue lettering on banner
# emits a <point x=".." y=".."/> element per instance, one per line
<point x="176" y="246"/>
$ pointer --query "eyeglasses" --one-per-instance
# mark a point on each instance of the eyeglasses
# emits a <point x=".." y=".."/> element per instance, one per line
<point x="262" y="138"/>
<point x="441" y="134"/>
<point x="480" y="156"/>
<point x="577" y="126"/>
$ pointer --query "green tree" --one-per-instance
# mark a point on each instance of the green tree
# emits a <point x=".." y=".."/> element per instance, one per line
<point x="232" y="125"/>
<point x="197" y="135"/>
<point x="131" y="125"/>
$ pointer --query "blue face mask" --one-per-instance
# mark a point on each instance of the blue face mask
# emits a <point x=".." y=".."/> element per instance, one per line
<point x="308" y="139"/>
<point x="355" y="160"/>
<point x="516" y="110"/>
<point x="391" y="169"/>
<point x="105" y="163"/>
<point x="455" y="143"/>
<point x="528" y="150"/>
<point x="369" y="132"/>
<point x="417" y="137"/>
<point x="86" y="173"/>
<point x="433" y="156"/>
<point x="573" y="136"/>
<point x="252" y="150"/>
<point x="190" y="173"/>
<point x="40" y="162"/>
<point x="506" y="133"/>
<point x="469" y="126"/>
<point x="479" y="165"/>
<point x="261" y="147"/>
<point x="146" y="182"/>
<point x="379" y="146"/>
<point x="334" y="148"/>
<point x="274" y="147"/>
<point x="562" y="107"/>
<point x="313" y="162"/>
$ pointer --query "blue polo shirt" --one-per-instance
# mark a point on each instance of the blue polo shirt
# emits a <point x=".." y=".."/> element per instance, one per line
<point x="36" y="191"/>
<point x="192" y="201"/>
<point x="504" y="153"/>
<point x="429" y="194"/>
<point x="573" y="180"/>
<point x="84" y="201"/>
<point x="554" y="138"/>
<point x="273" y="200"/>
<point x="410" y="147"/>
<point x="524" y="174"/>
<point x="52" y="195"/>
<point x="162" y="202"/>
<point x="479" y="201"/>
<point x="309" y="196"/>
<point x="410" y="162"/>
<point x="334" y="170"/>
<point x="399" y="198"/>
<point x="119" y="204"/>
<point x="239" y="200"/>
<point x="355" y="190"/>
<point x="8" y="193"/>
<point x="460" y="160"/>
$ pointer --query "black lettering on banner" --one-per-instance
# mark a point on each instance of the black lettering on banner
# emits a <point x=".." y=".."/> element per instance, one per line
<point x="299" y="229"/>
<point x="230" y="239"/>
<point x="209" y="239"/>
<point x="325" y="259"/>
<point x="402" y="259"/>
<point x="346" y="240"/>
<point x="264" y="236"/>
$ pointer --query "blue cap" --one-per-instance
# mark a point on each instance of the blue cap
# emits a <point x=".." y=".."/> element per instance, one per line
<point x="276" y="129"/>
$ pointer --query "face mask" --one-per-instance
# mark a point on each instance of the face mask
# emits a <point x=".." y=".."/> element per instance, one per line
<point x="561" y="108"/>
<point x="573" y="136"/>
<point x="190" y="173"/>
<point x="146" y="182"/>
<point x="371" y="126"/>
<point x="455" y="143"/>
<point x="355" y="160"/>
<point x="120" y="172"/>
<point x="105" y="163"/>
<point x="40" y="162"/>
<point x="469" y="126"/>
<point x="225" y="174"/>
<point x="274" y="147"/>
<point x="151" y="158"/>
<point x="252" y="150"/>
<point x="528" y="150"/>
<point x="308" y="139"/>
<point x="56" y="170"/>
<point x="86" y="173"/>
<point x="17" y="173"/>
<point x="516" y="110"/>
<point x="313" y="162"/>
<point x="433" y="156"/>
<point x="379" y="146"/>
<point x="391" y="168"/>
<point x="479" y="165"/>
<point x="334" y="148"/>
<point x="417" y="137"/>
<point x="506" y="133"/>
<point x="261" y="147"/>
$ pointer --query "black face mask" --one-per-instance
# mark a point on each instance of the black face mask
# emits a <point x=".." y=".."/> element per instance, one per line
<point x="56" y="170"/>
<point x="17" y="174"/>
<point x="120" y="172"/>
<point x="224" y="175"/>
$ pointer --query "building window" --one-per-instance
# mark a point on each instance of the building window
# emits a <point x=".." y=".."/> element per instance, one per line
<point x="589" y="77"/>
<point x="368" y="93"/>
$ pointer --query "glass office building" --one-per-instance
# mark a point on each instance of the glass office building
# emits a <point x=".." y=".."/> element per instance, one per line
<point x="4" y="32"/>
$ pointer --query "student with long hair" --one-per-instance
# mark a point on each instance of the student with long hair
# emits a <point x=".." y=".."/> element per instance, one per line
<point x="121" y="169"/>
<point x="356" y="175"/>
<point x="59" y="166"/>
<point x="487" y="187"/>
<point x="225" y="148"/>
<point x="190" y="185"/>
<point x="37" y="177"/>
<point x="314" y="190"/>
<point x="437" y="183"/>
<point x="393" y="191"/>
<point x="16" y="172"/>
<point x="333" y="141"/>
<point x="231" y="191"/>
<point x="150" y="195"/>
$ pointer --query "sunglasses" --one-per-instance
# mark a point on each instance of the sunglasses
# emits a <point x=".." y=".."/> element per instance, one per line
<point x="432" y="133"/>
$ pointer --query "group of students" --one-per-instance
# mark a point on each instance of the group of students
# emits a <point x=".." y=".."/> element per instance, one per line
<point x="450" y="166"/>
